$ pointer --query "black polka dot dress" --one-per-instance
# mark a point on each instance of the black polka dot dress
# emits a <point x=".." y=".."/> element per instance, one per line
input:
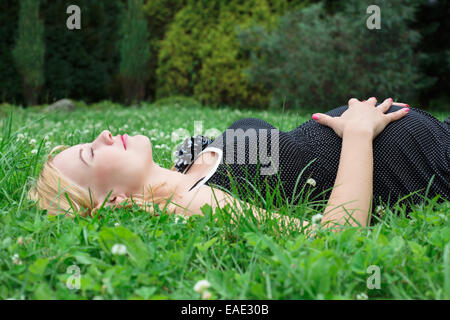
<point x="261" y="161"/>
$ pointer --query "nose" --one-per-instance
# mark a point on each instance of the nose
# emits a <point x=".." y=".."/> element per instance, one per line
<point x="104" y="137"/>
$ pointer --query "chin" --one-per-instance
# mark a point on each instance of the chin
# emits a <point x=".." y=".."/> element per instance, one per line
<point x="146" y="146"/>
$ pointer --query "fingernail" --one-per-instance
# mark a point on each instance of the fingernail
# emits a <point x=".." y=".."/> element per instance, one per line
<point x="364" y="100"/>
<point x="406" y="110"/>
<point x="374" y="98"/>
<point x="315" y="116"/>
<point x="407" y="105"/>
<point x="390" y="99"/>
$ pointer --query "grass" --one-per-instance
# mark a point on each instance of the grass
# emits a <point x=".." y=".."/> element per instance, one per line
<point x="167" y="255"/>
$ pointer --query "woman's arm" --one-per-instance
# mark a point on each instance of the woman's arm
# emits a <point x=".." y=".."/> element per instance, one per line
<point x="191" y="203"/>
<point x="350" y="199"/>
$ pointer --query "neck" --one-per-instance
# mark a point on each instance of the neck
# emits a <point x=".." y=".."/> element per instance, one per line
<point x="174" y="180"/>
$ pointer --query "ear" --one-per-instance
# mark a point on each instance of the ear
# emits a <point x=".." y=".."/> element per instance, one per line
<point x="113" y="201"/>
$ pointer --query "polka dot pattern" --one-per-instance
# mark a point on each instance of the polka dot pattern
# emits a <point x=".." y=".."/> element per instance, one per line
<point x="407" y="153"/>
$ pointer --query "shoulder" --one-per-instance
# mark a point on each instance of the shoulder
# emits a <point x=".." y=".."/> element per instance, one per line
<point x="250" y="123"/>
<point x="190" y="203"/>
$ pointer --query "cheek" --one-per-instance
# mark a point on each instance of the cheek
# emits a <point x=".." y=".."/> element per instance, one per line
<point x="123" y="169"/>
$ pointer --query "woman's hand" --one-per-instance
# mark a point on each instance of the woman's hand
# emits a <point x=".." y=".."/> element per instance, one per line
<point x="362" y="117"/>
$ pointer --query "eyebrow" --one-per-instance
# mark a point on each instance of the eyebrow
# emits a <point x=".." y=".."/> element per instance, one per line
<point x="81" y="158"/>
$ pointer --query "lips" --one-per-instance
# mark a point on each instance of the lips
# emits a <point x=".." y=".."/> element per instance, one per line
<point x="124" y="140"/>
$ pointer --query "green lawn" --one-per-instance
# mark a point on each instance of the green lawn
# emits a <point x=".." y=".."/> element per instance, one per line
<point x="166" y="255"/>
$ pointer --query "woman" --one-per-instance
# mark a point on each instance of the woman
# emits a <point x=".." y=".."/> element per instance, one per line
<point x="355" y="155"/>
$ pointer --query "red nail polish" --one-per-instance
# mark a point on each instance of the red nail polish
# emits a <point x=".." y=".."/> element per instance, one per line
<point x="364" y="100"/>
<point x="407" y="105"/>
<point x="315" y="116"/>
<point x="406" y="110"/>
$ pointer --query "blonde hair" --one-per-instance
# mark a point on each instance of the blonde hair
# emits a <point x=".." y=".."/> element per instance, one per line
<point x="58" y="195"/>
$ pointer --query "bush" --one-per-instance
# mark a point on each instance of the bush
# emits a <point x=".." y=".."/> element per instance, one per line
<point x="200" y="54"/>
<point x="160" y="14"/>
<point x="314" y="59"/>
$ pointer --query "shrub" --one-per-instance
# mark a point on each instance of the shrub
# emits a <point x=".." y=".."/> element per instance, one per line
<point x="160" y="14"/>
<point x="313" y="59"/>
<point x="200" y="54"/>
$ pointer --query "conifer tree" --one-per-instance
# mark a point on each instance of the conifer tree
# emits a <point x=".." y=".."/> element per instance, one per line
<point x="134" y="51"/>
<point x="29" y="50"/>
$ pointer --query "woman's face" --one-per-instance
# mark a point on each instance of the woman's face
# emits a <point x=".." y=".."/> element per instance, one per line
<point x="119" y="163"/>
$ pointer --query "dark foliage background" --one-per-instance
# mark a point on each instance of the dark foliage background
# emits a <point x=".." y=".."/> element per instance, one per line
<point x="195" y="51"/>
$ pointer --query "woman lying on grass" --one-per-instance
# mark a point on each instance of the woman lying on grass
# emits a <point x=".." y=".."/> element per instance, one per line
<point x="354" y="156"/>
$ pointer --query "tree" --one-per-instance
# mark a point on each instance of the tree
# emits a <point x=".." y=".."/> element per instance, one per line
<point x="134" y="52"/>
<point x="314" y="59"/>
<point x="30" y="50"/>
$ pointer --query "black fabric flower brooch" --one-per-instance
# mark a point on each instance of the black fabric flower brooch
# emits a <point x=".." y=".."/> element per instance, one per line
<point x="188" y="150"/>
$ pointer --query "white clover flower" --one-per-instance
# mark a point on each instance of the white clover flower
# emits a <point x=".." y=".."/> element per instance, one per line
<point x="153" y="139"/>
<point x="20" y="136"/>
<point x="181" y="218"/>
<point x="119" y="249"/>
<point x="32" y="141"/>
<point x="311" y="182"/>
<point x="362" y="296"/>
<point x="175" y="136"/>
<point x="380" y="210"/>
<point x="116" y="224"/>
<point x="206" y="295"/>
<point x="46" y="137"/>
<point x="201" y="286"/>
<point x="142" y="129"/>
<point x="48" y="144"/>
<point x="16" y="260"/>
<point x="34" y="151"/>
<point x="125" y="126"/>
<point x="20" y="240"/>
<point x="157" y="146"/>
<point x="316" y="218"/>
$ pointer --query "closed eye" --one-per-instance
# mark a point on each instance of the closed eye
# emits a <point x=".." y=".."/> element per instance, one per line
<point x="92" y="152"/>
